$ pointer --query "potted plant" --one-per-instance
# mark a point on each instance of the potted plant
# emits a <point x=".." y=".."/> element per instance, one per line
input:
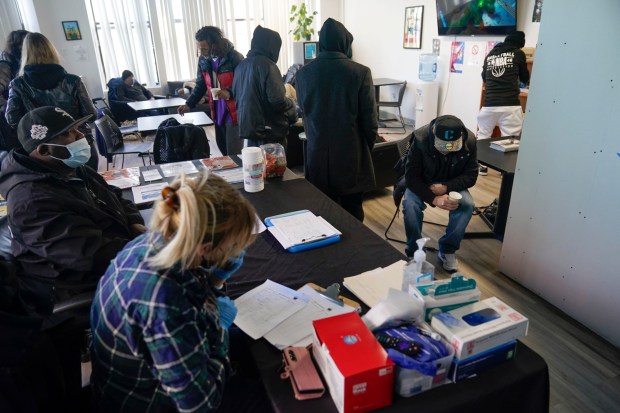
<point x="303" y="21"/>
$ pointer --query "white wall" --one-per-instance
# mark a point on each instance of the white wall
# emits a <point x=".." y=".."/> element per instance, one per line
<point x="562" y="235"/>
<point x="378" y="29"/>
<point x="50" y="15"/>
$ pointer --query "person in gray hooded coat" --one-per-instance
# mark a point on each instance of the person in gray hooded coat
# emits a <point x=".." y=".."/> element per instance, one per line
<point x="337" y="98"/>
<point x="263" y="111"/>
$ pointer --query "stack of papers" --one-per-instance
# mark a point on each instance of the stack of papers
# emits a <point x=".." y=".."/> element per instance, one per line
<point x="122" y="178"/>
<point x="219" y="162"/>
<point x="175" y="168"/>
<point x="282" y="315"/>
<point x="374" y="286"/>
<point x="301" y="228"/>
<point x="147" y="193"/>
<point x="505" y="145"/>
<point x="232" y="176"/>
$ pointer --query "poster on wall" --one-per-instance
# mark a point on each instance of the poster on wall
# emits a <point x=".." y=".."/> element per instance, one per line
<point x="490" y="46"/>
<point x="412" y="37"/>
<point x="537" y="11"/>
<point x="474" y="53"/>
<point x="456" y="57"/>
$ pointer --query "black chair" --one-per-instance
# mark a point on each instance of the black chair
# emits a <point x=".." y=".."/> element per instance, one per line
<point x="112" y="141"/>
<point x="175" y="142"/>
<point x="394" y="104"/>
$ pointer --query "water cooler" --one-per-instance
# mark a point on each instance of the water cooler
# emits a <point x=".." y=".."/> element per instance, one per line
<point x="426" y="91"/>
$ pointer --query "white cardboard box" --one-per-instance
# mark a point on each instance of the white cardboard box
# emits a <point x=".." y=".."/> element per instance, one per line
<point x="358" y="371"/>
<point x="480" y="326"/>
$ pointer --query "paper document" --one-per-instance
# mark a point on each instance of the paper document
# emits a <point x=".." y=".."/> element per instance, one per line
<point x="374" y="286"/>
<point x="301" y="228"/>
<point x="219" y="162"/>
<point x="260" y="227"/>
<point x="232" y="176"/>
<point x="147" y="193"/>
<point x="151" y="175"/>
<point x="297" y="329"/>
<point x="175" y="168"/>
<point x="266" y="306"/>
<point x="122" y="178"/>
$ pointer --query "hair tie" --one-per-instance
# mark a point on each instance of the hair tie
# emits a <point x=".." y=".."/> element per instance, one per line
<point x="170" y="197"/>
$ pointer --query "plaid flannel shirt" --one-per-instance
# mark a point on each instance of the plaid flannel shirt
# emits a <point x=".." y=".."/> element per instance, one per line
<point x="157" y="340"/>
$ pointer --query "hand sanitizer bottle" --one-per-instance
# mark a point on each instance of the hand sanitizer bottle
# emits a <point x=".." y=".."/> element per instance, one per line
<point x="418" y="270"/>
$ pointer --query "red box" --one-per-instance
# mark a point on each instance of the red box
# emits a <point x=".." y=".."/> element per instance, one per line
<point x="358" y="371"/>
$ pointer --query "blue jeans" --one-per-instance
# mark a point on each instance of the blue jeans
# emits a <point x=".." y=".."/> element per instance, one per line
<point x="458" y="220"/>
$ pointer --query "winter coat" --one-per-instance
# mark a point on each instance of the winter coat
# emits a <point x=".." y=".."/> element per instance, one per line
<point x="9" y="67"/>
<point x="224" y="75"/>
<point x="65" y="229"/>
<point x="337" y="98"/>
<point x="426" y="165"/>
<point x="263" y="111"/>
<point x="118" y="90"/>
<point x="49" y="85"/>
<point x="504" y="67"/>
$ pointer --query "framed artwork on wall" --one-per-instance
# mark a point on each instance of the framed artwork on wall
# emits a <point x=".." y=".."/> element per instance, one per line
<point x="412" y="37"/>
<point x="72" y="30"/>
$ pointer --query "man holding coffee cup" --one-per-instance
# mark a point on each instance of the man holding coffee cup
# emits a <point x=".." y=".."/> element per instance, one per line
<point x="441" y="165"/>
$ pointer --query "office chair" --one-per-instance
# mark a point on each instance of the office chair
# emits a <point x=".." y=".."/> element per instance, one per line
<point x="175" y="142"/>
<point x="110" y="139"/>
<point x="394" y="104"/>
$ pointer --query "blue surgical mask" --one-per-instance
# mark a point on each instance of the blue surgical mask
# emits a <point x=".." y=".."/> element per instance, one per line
<point x="79" y="150"/>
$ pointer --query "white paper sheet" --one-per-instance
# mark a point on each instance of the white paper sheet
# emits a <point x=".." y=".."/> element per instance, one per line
<point x="231" y="176"/>
<point x="260" y="227"/>
<point x="151" y="175"/>
<point x="175" y="168"/>
<point x="266" y="306"/>
<point x="297" y="329"/>
<point x="301" y="228"/>
<point x="374" y="286"/>
<point x="147" y="193"/>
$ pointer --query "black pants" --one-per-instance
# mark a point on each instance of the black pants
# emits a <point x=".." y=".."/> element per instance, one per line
<point x="352" y="203"/>
<point x="227" y="139"/>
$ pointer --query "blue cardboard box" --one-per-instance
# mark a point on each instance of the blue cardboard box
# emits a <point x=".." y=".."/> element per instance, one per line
<point x="471" y="366"/>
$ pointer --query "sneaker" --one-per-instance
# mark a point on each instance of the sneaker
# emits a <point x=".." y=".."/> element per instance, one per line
<point x="449" y="261"/>
<point x="483" y="170"/>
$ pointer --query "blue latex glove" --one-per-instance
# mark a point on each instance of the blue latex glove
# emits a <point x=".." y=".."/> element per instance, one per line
<point x="228" y="311"/>
<point x="229" y="268"/>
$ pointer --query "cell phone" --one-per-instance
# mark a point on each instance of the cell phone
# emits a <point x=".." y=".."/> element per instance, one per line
<point x="300" y="369"/>
<point x="481" y="316"/>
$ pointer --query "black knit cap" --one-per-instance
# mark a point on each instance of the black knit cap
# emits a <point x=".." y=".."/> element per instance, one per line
<point x="126" y="74"/>
<point x="516" y="39"/>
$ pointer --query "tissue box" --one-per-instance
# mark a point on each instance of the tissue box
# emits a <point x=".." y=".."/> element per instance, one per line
<point x="358" y="371"/>
<point x="480" y="326"/>
<point x="435" y="304"/>
<point x="410" y="382"/>
<point x="471" y="366"/>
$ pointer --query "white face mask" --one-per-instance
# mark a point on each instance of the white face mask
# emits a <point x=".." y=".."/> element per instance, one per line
<point x="79" y="150"/>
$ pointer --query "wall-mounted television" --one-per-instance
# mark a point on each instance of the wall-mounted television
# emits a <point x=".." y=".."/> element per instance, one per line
<point x="476" y="17"/>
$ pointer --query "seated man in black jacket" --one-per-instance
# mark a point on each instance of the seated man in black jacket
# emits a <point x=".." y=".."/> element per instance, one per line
<point x="442" y="159"/>
<point x="131" y="91"/>
<point x="67" y="223"/>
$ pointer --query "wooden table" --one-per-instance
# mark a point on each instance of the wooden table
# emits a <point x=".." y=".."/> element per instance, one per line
<point x="156" y="104"/>
<point x="151" y="123"/>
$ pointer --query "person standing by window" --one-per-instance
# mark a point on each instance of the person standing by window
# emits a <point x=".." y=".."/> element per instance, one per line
<point x="42" y="81"/>
<point x="160" y="319"/>
<point x="10" y="59"/>
<point x="216" y="65"/>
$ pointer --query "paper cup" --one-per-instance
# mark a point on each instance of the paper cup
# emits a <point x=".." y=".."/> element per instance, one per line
<point x="253" y="169"/>
<point x="455" y="196"/>
<point x="214" y="91"/>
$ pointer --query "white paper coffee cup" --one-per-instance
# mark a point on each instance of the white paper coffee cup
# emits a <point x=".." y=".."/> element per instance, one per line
<point x="253" y="169"/>
<point x="455" y="196"/>
<point x="214" y="91"/>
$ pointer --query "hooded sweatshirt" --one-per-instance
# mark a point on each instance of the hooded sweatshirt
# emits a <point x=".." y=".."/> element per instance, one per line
<point x="504" y="67"/>
<point x="263" y="110"/>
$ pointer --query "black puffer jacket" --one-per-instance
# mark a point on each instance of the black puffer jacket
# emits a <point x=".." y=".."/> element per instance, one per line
<point x="49" y="85"/>
<point x="426" y="165"/>
<point x="65" y="230"/>
<point x="175" y="142"/>
<point x="263" y="110"/>
<point x="340" y="116"/>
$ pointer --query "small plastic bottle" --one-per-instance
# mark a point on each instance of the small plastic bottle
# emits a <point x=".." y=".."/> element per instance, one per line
<point x="418" y="270"/>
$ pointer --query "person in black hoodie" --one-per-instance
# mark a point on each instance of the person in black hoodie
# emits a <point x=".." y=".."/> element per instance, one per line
<point x="9" y="67"/>
<point x="263" y="111"/>
<point x="67" y="222"/>
<point x="44" y="82"/>
<point x="504" y="67"/>
<point x="337" y="98"/>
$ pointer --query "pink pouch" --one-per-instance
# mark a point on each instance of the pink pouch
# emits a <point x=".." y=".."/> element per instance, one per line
<point x="305" y="379"/>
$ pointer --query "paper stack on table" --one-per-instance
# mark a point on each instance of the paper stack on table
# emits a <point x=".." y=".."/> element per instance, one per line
<point x="122" y="178"/>
<point x="373" y="286"/>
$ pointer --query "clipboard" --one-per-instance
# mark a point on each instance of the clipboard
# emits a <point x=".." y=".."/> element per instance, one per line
<point x="306" y="245"/>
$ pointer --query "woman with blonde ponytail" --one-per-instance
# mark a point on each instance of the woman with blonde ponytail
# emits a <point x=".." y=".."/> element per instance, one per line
<point x="159" y="319"/>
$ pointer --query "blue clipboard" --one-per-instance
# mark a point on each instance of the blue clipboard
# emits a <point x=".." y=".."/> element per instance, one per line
<point x="308" y="245"/>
